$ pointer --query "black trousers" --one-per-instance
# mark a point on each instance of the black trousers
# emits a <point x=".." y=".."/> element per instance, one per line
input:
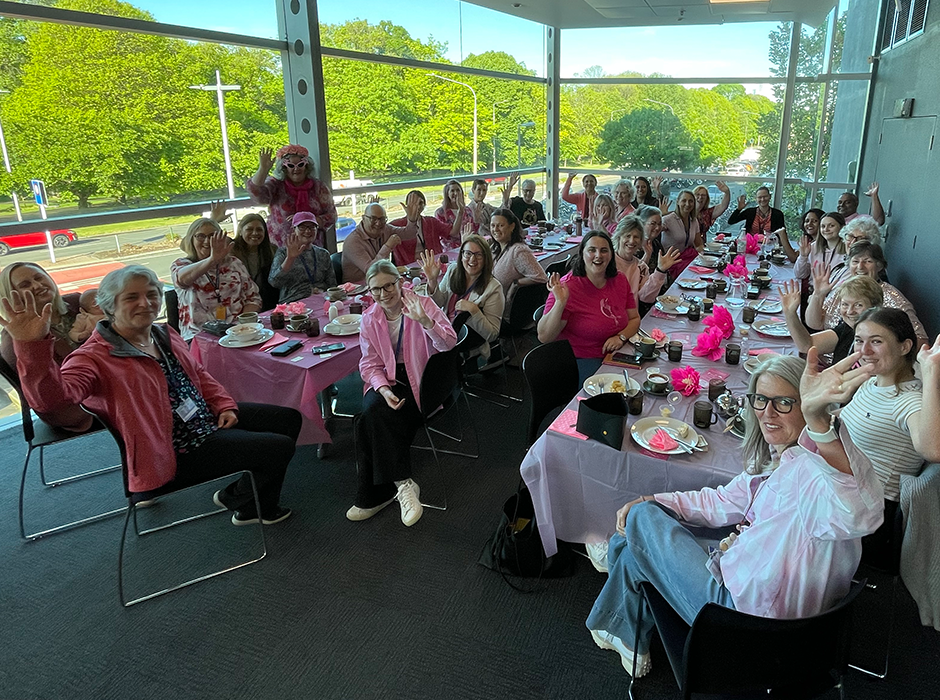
<point x="882" y="548"/>
<point x="383" y="442"/>
<point x="263" y="442"/>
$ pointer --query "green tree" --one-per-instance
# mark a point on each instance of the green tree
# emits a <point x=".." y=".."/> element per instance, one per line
<point x="649" y="139"/>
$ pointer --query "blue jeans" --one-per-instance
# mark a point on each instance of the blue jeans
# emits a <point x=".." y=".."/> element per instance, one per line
<point x="658" y="549"/>
<point x="587" y="367"/>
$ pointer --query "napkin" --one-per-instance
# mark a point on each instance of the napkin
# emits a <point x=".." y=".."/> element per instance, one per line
<point x="276" y="340"/>
<point x="760" y="351"/>
<point x="713" y="373"/>
<point x="574" y="239"/>
<point x="701" y="270"/>
<point x="565" y="424"/>
<point x="662" y="441"/>
<point x="656" y="313"/>
<point x="349" y="287"/>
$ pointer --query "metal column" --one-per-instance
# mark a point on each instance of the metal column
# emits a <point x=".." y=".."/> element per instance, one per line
<point x="552" y="97"/>
<point x="781" y="171"/>
<point x="302" y="64"/>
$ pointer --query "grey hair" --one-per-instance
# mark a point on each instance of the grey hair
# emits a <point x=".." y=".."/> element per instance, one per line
<point x="865" y="226"/>
<point x="382" y="267"/>
<point x="757" y="454"/>
<point x="644" y="212"/>
<point x="627" y="225"/>
<point x="624" y="182"/>
<point x="526" y="183"/>
<point x="277" y="172"/>
<point x="115" y="281"/>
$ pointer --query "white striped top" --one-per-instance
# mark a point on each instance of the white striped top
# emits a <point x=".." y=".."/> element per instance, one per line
<point x="877" y="422"/>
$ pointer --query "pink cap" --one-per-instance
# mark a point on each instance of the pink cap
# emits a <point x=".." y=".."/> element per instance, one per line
<point x="302" y="216"/>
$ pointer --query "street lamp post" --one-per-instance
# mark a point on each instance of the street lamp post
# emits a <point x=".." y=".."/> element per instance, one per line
<point x="219" y="89"/>
<point x="6" y="166"/>
<point x="457" y="82"/>
<point x="662" y="120"/>
<point x="504" y="102"/>
<point x="519" y="147"/>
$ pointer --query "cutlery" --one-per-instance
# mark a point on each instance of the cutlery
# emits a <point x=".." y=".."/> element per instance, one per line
<point x="687" y="447"/>
<point x="760" y="304"/>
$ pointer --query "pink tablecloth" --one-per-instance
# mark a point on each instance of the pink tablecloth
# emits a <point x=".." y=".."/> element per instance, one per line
<point x="249" y="374"/>
<point x="577" y="486"/>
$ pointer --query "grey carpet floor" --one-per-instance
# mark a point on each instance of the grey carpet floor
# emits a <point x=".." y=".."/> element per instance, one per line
<point x="336" y="609"/>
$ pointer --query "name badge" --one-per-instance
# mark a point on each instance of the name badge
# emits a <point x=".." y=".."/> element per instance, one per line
<point x="187" y="410"/>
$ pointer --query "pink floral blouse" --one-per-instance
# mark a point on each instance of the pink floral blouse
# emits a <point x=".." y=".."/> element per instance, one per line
<point x="281" y="207"/>
<point x="228" y="285"/>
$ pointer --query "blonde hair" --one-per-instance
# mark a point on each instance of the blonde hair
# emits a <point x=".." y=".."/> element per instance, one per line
<point x="862" y="287"/>
<point x="186" y="245"/>
<point x="61" y="321"/>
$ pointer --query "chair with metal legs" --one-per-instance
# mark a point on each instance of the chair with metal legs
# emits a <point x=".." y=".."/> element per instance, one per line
<point x="40" y="435"/>
<point x="153" y="498"/>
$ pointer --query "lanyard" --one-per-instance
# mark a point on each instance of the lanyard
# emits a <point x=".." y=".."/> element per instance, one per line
<point x="401" y="329"/>
<point x="311" y="279"/>
<point x="216" y="284"/>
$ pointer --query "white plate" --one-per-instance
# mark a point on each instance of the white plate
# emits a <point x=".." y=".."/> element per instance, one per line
<point x="706" y="261"/>
<point x="690" y="283"/>
<point x="552" y="247"/>
<point x="256" y="327"/>
<point x="592" y="385"/>
<point x="659" y="344"/>
<point x="337" y="329"/>
<point x="771" y="306"/>
<point x="750" y="364"/>
<point x="775" y="329"/>
<point x="682" y="310"/>
<point x="347" y="319"/>
<point x="230" y="342"/>
<point x="644" y="429"/>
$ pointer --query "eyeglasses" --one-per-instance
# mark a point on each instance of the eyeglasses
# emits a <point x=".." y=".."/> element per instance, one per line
<point x="782" y="404"/>
<point x="528" y="191"/>
<point x="380" y="219"/>
<point x="306" y="226"/>
<point x="298" y="164"/>
<point x="470" y="255"/>
<point x="384" y="289"/>
<point x="203" y="237"/>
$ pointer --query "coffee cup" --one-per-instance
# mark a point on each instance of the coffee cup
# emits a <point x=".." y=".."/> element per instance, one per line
<point x="702" y="415"/>
<point x="708" y="305"/>
<point x="722" y="285"/>
<point x="658" y="383"/>
<point x="748" y="313"/>
<point x="277" y="320"/>
<point x="674" y="350"/>
<point x="355" y="307"/>
<point x="249" y="317"/>
<point x="298" y="322"/>
<point x="645" y="347"/>
<point x="732" y="353"/>
<point x="336" y="294"/>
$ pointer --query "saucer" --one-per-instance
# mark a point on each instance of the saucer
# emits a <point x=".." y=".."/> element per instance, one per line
<point x="648" y="388"/>
<point x="230" y="342"/>
<point x="681" y="310"/>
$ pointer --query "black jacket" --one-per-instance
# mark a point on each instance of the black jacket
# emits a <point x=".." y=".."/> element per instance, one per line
<point x="748" y="215"/>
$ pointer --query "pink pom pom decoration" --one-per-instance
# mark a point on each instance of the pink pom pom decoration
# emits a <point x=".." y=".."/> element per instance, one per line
<point x="708" y="344"/>
<point x="721" y="319"/>
<point x="657" y="335"/>
<point x="751" y="246"/>
<point x="685" y="380"/>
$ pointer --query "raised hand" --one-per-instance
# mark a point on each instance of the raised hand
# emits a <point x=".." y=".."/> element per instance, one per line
<point x="668" y="259"/>
<point x="572" y="176"/>
<point x="413" y="207"/>
<point x="656" y="182"/>
<point x="431" y="267"/>
<point x="836" y="384"/>
<point x="217" y="210"/>
<point x="790" y="296"/>
<point x="220" y="246"/>
<point x="722" y="187"/>
<point x="508" y="187"/>
<point x="21" y="319"/>
<point x="414" y="310"/>
<point x="742" y="202"/>
<point x="664" y="205"/>
<point x="558" y="288"/>
<point x="806" y="246"/>
<point x="466" y="230"/>
<point x="296" y="245"/>
<point x="265" y="159"/>
<point x="872" y="190"/>
<point x="821" y="283"/>
<point x="929" y="356"/>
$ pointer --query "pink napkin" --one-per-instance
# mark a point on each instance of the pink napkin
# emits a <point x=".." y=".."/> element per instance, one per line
<point x="701" y="270"/>
<point x="760" y="351"/>
<point x="713" y="373"/>
<point x="662" y="441"/>
<point x="565" y="424"/>
<point x="542" y="253"/>
<point x="349" y="287"/>
<point x="574" y="239"/>
<point x="276" y="340"/>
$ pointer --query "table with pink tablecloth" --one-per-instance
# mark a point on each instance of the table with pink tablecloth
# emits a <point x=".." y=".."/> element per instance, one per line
<point x="577" y="485"/>
<point x="295" y="381"/>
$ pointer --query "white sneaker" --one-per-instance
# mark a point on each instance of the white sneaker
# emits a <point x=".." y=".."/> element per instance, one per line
<point x="597" y="553"/>
<point x="411" y="508"/>
<point x="356" y="513"/>
<point x="605" y="640"/>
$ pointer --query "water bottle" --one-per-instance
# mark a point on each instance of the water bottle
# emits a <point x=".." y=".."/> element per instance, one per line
<point x="737" y="292"/>
<point x="578" y="223"/>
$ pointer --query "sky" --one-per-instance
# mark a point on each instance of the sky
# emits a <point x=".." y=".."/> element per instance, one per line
<point x="677" y="51"/>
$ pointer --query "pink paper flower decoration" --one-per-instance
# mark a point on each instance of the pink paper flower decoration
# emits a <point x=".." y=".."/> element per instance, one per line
<point x="657" y="335"/>
<point x="685" y="380"/>
<point x="720" y="237"/>
<point x="751" y="245"/>
<point x="720" y="318"/>
<point x="738" y="268"/>
<point x="296" y="307"/>
<point x="281" y="309"/>
<point x="740" y="260"/>
<point x="708" y="344"/>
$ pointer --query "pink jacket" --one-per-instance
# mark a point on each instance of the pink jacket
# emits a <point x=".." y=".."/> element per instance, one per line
<point x="377" y="365"/>
<point x="126" y="387"/>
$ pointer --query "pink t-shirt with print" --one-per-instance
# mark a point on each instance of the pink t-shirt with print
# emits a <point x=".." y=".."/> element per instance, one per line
<point x="593" y="314"/>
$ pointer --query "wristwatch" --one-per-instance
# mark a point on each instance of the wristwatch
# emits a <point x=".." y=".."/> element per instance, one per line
<point x="622" y="338"/>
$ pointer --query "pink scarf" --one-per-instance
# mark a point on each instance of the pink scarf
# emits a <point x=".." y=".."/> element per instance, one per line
<point x="300" y="193"/>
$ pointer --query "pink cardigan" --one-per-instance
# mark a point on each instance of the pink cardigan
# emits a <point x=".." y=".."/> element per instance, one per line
<point x="127" y="388"/>
<point x="377" y="365"/>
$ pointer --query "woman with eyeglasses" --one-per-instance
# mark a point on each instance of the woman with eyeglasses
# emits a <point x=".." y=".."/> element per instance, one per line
<point x="469" y="293"/>
<point x="291" y="189"/>
<point x="302" y="268"/>
<point x="592" y="306"/>
<point x="397" y="336"/>
<point x="211" y="283"/>
<point x="794" y="517"/>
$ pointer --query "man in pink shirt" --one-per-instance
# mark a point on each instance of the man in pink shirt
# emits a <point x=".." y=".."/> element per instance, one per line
<point x="848" y="205"/>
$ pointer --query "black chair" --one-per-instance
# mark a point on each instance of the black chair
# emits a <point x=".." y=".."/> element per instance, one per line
<point x="551" y="374"/>
<point x="39" y="435"/>
<point x="462" y="335"/>
<point x="726" y="652"/>
<point x="172" y="303"/>
<point x="561" y="267"/>
<point x="154" y="498"/>
<point x="337" y="260"/>
<point x="538" y="313"/>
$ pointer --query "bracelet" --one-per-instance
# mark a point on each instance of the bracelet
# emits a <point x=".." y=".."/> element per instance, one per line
<point x="662" y="272"/>
<point x="822" y="438"/>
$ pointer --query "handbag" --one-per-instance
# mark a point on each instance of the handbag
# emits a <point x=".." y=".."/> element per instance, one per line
<point x="602" y="418"/>
<point x="515" y="548"/>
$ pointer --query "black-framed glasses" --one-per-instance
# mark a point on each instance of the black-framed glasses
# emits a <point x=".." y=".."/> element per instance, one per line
<point x="782" y="404"/>
<point x="298" y="164"/>
<point x="202" y="237"/>
<point x="470" y="255"/>
<point x="384" y="289"/>
<point x="380" y="219"/>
